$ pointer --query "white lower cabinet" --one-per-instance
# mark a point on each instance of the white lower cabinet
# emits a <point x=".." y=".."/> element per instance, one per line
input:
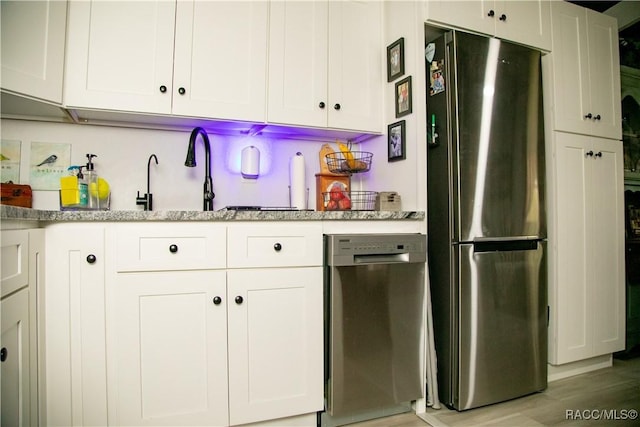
<point x="76" y="379"/>
<point x="15" y="373"/>
<point x="149" y="324"/>
<point x="21" y="284"/>
<point x="191" y="341"/>
<point x="168" y="348"/>
<point x="275" y="343"/>
<point x="586" y="281"/>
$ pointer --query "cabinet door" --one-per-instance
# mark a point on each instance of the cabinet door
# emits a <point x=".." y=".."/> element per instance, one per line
<point x="471" y="15"/>
<point x="120" y="55"/>
<point x="33" y="34"/>
<point x="15" y="261"/>
<point x="590" y="248"/>
<point x="275" y="343"/>
<point x="573" y="201"/>
<point x="572" y="96"/>
<point x="76" y="384"/>
<point x="607" y="240"/>
<point x="355" y="65"/>
<point x="167" y="351"/>
<point x="604" y="75"/>
<point x="526" y="22"/>
<point x="221" y="59"/>
<point x="298" y="63"/>
<point x="586" y="72"/>
<point x="15" y="372"/>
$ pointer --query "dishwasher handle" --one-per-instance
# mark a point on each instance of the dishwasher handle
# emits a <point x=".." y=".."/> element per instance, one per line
<point x="380" y="258"/>
<point x="372" y="259"/>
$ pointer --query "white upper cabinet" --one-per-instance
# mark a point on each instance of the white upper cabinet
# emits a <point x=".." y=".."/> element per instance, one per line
<point x="220" y="66"/>
<point x="120" y="55"/>
<point x="33" y="35"/>
<point x="298" y="63"/>
<point x="192" y="58"/>
<point x="325" y="64"/>
<point x="586" y="72"/>
<point x="525" y="22"/>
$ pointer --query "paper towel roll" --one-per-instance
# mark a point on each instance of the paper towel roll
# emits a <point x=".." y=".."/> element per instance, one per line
<point x="297" y="182"/>
<point x="250" y="162"/>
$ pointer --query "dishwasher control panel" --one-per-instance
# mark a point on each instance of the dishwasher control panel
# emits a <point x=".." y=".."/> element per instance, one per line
<point x="344" y="249"/>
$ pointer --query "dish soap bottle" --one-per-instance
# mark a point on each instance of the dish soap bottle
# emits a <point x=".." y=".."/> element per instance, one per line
<point x="83" y="189"/>
<point x="91" y="178"/>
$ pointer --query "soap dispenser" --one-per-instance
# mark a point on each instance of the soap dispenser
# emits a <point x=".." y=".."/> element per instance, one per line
<point x="91" y="178"/>
<point x="83" y="189"/>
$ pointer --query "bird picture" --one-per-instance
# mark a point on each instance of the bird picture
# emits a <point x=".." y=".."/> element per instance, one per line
<point x="49" y="160"/>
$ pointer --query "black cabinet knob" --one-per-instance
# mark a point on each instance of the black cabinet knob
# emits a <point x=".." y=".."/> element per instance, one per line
<point x="491" y="13"/>
<point x="91" y="258"/>
<point x="239" y="300"/>
<point x="173" y="249"/>
<point x="217" y="300"/>
<point x="321" y="105"/>
<point x="336" y="107"/>
<point x="277" y="247"/>
<point x="163" y="88"/>
<point x="3" y="354"/>
<point x="182" y="91"/>
<point x="588" y="116"/>
<point x="589" y="153"/>
<point x="597" y="117"/>
<point x="598" y="154"/>
<point x="503" y="17"/>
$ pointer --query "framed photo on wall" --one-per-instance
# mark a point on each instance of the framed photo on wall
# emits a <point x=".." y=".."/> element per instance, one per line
<point x="395" y="59"/>
<point x="403" y="97"/>
<point x="396" y="141"/>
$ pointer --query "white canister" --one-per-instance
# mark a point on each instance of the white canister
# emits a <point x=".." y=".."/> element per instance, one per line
<point x="250" y="162"/>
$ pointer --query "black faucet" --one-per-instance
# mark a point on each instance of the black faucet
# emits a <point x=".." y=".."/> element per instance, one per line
<point x="191" y="162"/>
<point x="147" y="200"/>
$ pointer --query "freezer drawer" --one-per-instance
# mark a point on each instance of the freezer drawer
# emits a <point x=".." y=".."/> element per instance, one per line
<point x="502" y="321"/>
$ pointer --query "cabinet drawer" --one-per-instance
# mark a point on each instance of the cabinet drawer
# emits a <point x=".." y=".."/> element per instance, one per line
<point x="281" y="245"/>
<point x="154" y="247"/>
<point x="15" y="261"/>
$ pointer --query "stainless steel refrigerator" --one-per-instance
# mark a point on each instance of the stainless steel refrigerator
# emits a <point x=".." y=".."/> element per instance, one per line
<point x="486" y="219"/>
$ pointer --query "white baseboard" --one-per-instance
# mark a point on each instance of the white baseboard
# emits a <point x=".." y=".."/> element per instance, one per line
<point x="558" y="372"/>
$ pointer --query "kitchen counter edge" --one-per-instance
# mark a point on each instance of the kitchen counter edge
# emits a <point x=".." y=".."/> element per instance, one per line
<point x="27" y="214"/>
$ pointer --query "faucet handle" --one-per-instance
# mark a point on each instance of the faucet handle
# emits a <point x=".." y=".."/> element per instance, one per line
<point x="146" y="201"/>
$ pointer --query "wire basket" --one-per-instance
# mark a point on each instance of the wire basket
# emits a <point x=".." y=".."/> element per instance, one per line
<point x="349" y="200"/>
<point x="339" y="162"/>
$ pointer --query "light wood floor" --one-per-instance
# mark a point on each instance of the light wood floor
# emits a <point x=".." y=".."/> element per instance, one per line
<point x="616" y="388"/>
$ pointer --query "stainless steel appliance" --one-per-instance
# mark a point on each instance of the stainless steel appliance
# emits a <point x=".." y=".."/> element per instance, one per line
<point x="374" y="309"/>
<point x="486" y="219"/>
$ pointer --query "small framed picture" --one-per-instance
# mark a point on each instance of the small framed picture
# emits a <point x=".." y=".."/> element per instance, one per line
<point x="403" y="97"/>
<point x="395" y="59"/>
<point x="396" y="136"/>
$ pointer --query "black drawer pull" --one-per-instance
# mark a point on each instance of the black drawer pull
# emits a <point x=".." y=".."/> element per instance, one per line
<point x="91" y="258"/>
<point x="277" y="247"/>
<point x="239" y="300"/>
<point x="173" y="249"/>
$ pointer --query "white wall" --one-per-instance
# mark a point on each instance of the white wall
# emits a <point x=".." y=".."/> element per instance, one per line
<point x="123" y="154"/>
<point x="407" y="177"/>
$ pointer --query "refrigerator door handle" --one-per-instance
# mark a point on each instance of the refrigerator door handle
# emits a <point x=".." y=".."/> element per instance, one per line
<point x="505" y="246"/>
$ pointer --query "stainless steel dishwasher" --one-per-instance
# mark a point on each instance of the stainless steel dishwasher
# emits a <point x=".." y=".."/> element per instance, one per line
<point x="374" y="310"/>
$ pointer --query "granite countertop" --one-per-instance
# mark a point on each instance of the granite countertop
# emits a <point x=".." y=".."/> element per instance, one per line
<point x="26" y="214"/>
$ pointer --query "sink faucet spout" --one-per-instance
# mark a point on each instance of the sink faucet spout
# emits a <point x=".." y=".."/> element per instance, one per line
<point x="147" y="200"/>
<point x="191" y="162"/>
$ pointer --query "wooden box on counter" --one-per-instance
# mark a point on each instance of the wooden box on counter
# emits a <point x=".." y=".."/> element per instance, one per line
<point x="16" y="195"/>
<point x="324" y="183"/>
